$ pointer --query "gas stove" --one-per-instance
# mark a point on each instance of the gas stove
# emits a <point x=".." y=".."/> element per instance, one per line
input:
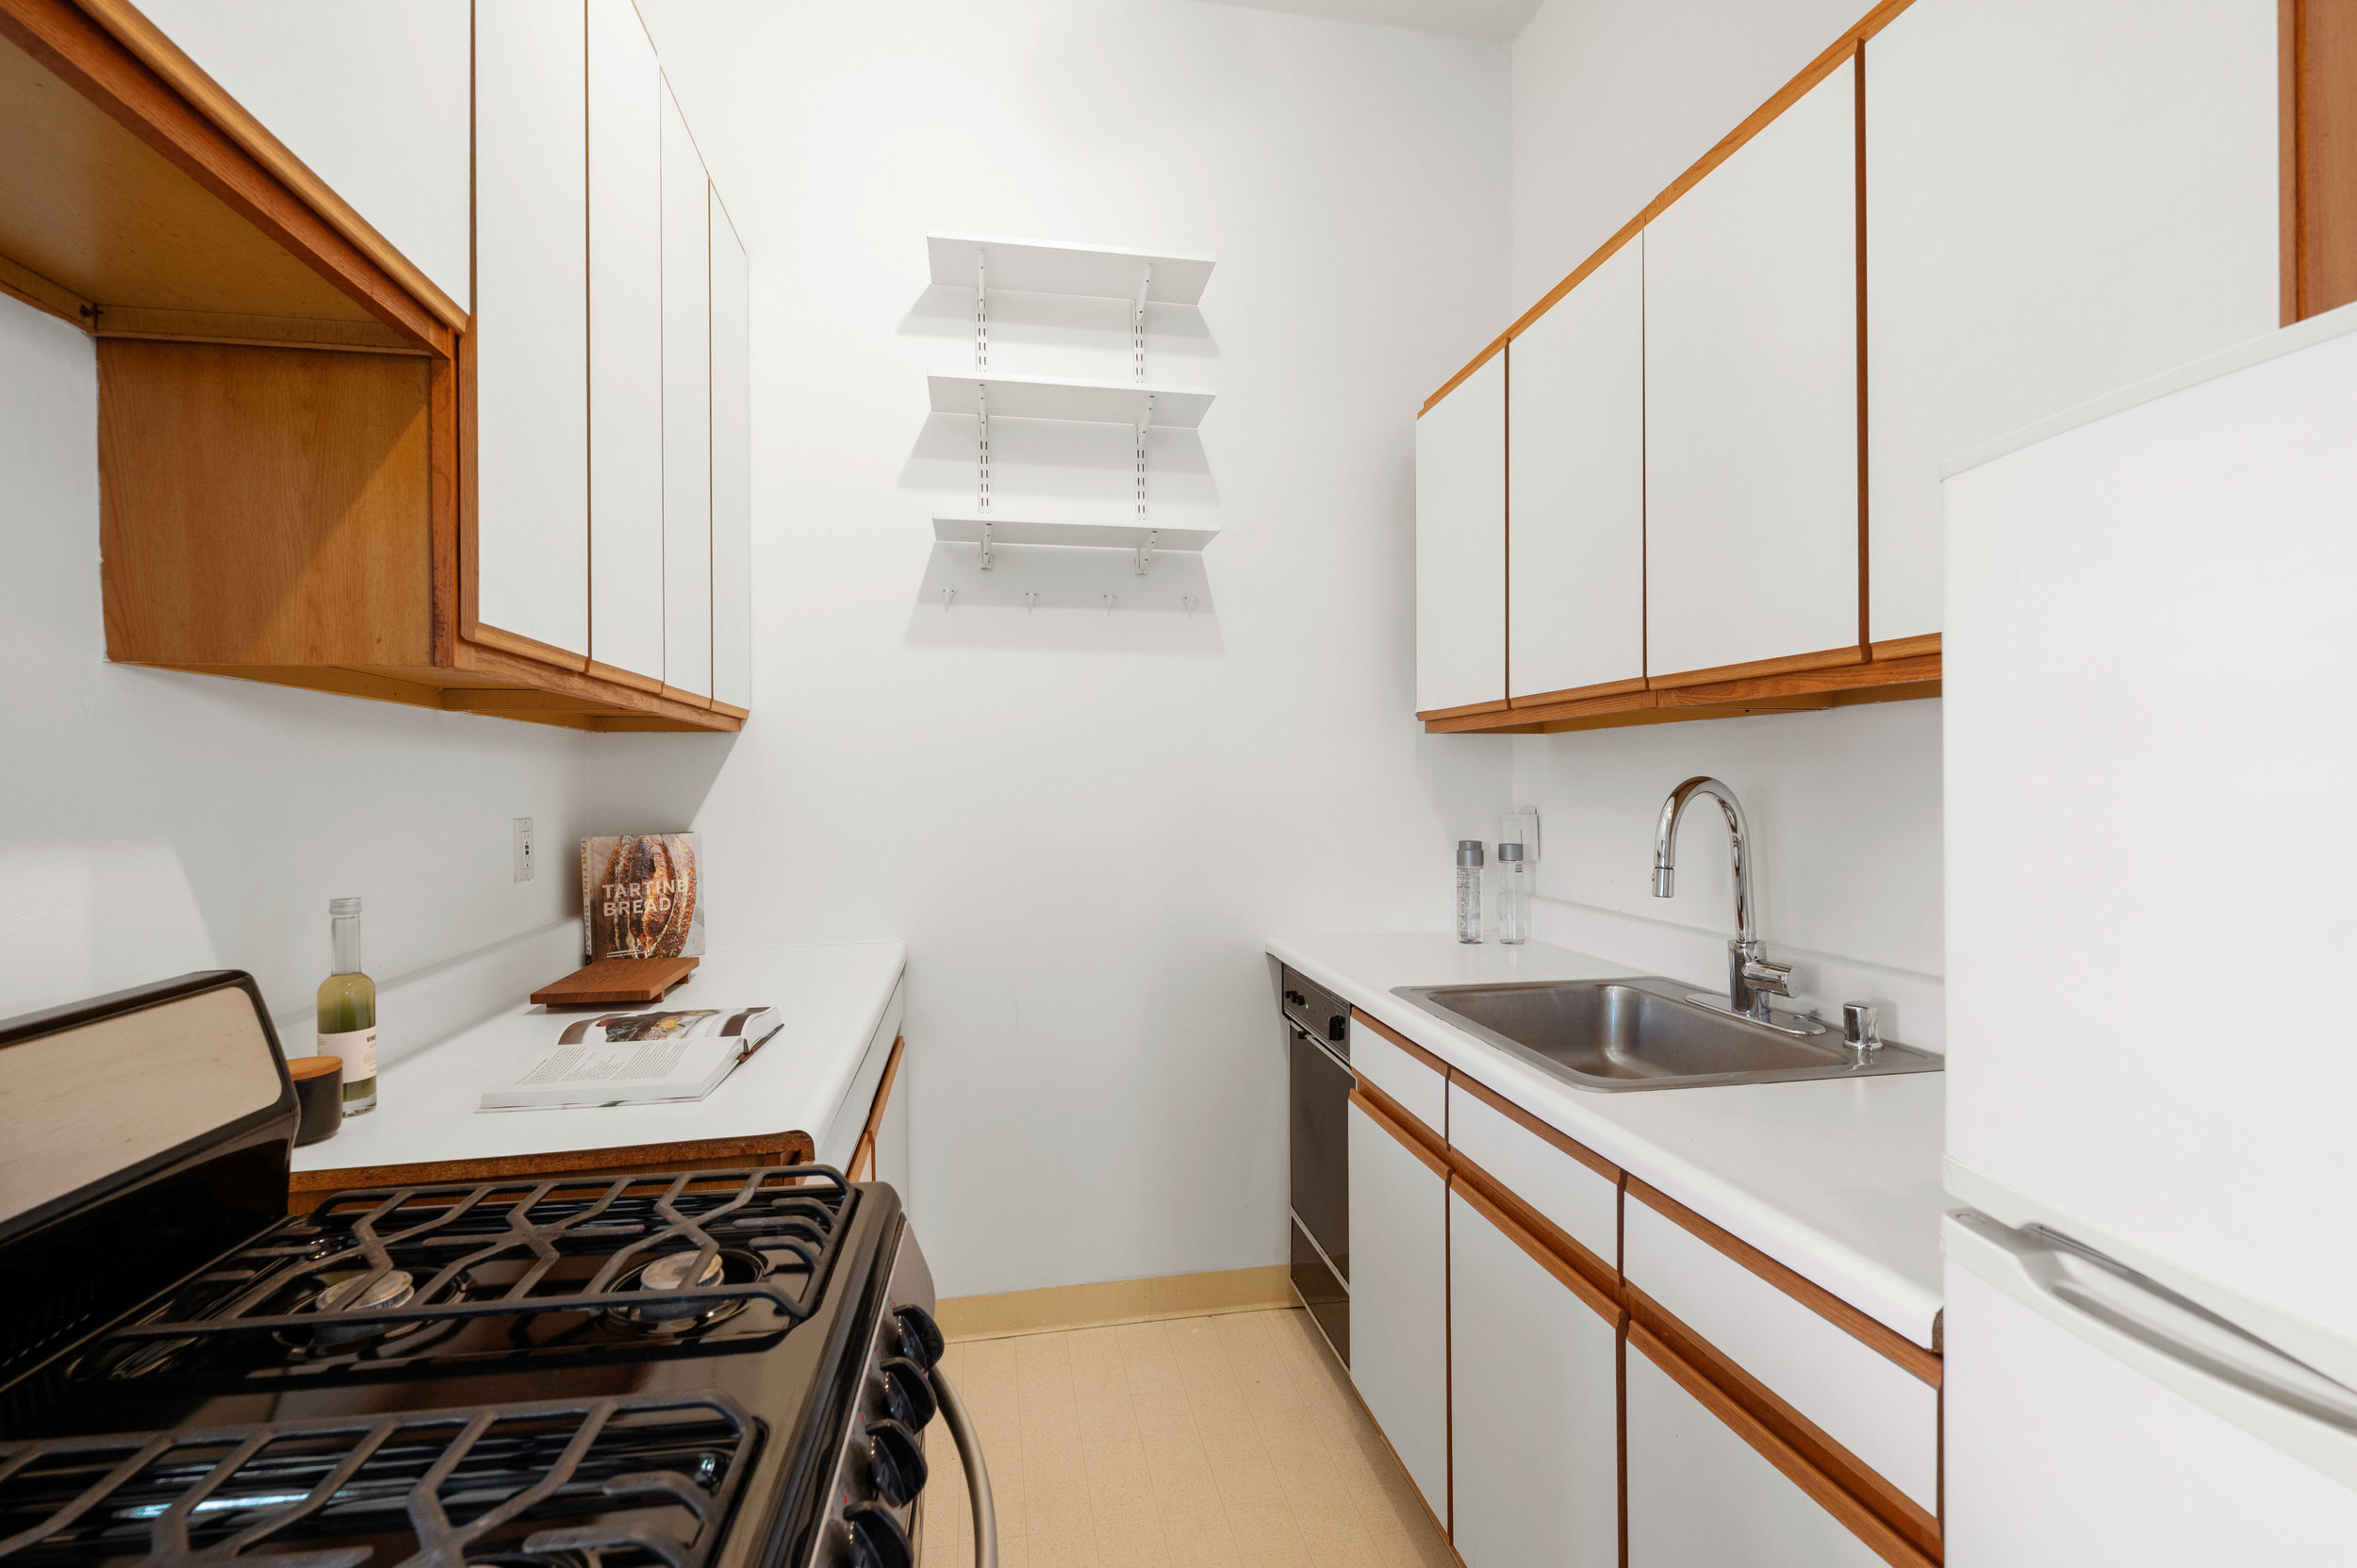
<point x="727" y="1367"/>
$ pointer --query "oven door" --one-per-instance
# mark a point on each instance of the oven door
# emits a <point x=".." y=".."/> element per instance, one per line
<point x="1321" y="1083"/>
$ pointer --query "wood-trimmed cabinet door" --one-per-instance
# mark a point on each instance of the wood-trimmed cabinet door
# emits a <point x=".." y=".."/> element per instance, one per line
<point x="374" y="102"/>
<point x="530" y="346"/>
<point x="1751" y="405"/>
<point x="1706" y="1484"/>
<point x="2059" y="202"/>
<point x="1460" y="545"/>
<point x="732" y="466"/>
<point x="625" y="344"/>
<point x="1399" y="1294"/>
<point x="1575" y="555"/>
<point x="686" y="408"/>
<point x="1534" y="1403"/>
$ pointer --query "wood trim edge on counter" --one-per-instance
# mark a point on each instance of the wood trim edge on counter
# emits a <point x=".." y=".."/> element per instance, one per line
<point x="863" y="1152"/>
<point x="1395" y="1037"/>
<point x="1862" y="1522"/>
<point x="1531" y="1124"/>
<point x="766" y="1148"/>
<point x="1545" y="1249"/>
<point x="1810" y="1441"/>
<point x="1401" y="1123"/>
<point x="1871" y="1332"/>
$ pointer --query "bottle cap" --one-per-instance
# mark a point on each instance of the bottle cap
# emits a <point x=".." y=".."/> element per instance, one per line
<point x="1510" y="852"/>
<point x="1469" y="851"/>
<point x="343" y="906"/>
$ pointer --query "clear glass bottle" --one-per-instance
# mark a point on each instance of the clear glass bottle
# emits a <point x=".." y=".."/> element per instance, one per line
<point x="1513" y="894"/>
<point x="348" y="1010"/>
<point x="1469" y="889"/>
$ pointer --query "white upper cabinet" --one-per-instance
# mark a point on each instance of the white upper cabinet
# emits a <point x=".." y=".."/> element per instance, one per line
<point x="374" y="102"/>
<point x="625" y="343"/>
<point x="686" y="408"/>
<point x="2062" y="197"/>
<point x="732" y="467"/>
<point x="1575" y="567"/>
<point x="1751" y="399"/>
<point x="1461" y="544"/>
<point x="532" y="300"/>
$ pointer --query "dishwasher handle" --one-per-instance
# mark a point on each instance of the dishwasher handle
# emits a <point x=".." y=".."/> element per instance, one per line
<point x="969" y="1442"/>
<point x="1337" y="1058"/>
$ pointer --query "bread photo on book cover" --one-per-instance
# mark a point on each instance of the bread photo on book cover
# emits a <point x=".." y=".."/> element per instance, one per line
<point x="641" y="896"/>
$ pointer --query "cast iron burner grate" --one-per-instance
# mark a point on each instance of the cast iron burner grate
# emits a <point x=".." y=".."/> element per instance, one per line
<point x="386" y="1261"/>
<point x="642" y="1480"/>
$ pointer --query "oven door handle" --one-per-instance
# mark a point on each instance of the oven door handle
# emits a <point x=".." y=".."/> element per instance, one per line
<point x="969" y="1442"/>
<point x="1331" y="1054"/>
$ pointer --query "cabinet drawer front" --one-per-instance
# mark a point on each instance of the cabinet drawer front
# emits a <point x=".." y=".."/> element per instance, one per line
<point x="1581" y="1201"/>
<point x="1534" y="1406"/>
<point x="1399" y="1299"/>
<point x="1421" y="1089"/>
<point x="1699" y="1492"/>
<point x="1885" y="1415"/>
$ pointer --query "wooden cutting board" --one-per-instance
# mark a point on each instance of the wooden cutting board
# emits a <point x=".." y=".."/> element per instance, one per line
<point x="615" y="982"/>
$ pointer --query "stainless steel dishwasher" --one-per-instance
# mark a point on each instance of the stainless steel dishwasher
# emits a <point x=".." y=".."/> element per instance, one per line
<point x="1319" y="1047"/>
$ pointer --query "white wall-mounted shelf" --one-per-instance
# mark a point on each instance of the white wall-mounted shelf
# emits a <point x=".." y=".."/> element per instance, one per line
<point x="1055" y="397"/>
<point x="967" y="529"/>
<point x="1042" y="266"/>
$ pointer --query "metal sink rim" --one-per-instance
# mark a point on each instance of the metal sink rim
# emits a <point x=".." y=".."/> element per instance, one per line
<point x="1891" y="1060"/>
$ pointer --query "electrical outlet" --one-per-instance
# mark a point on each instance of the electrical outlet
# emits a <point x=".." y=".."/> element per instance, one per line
<point x="1520" y="827"/>
<point x="523" y="849"/>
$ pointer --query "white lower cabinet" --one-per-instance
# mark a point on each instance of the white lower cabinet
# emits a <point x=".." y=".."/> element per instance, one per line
<point x="1534" y="1403"/>
<point x="1700" y="1496"/>
<point x="1399" y="1296"/>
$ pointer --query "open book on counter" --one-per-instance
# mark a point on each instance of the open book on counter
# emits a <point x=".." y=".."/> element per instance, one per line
<point x="636" y="1058"/>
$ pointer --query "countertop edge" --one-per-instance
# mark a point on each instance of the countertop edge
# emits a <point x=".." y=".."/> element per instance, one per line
<point x="1875" y="1289"/>
<point x="874" y="1007"/>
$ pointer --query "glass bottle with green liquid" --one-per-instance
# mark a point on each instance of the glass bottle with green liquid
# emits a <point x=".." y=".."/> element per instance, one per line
<point x="348" y="1010"/>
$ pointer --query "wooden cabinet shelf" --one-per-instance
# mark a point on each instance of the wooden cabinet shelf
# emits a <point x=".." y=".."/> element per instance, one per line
<point x="287" y="432"/>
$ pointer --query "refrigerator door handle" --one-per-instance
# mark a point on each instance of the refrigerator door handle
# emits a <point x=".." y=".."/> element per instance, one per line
<point x="2084" y="1283"/>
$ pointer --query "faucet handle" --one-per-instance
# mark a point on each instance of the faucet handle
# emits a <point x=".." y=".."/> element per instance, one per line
<point x="1773" y="979"/>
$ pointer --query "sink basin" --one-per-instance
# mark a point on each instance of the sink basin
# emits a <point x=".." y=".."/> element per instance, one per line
<point x="1644" y="1034"/>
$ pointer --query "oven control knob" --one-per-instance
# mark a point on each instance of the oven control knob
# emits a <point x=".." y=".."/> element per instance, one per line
<point x="920" y="1336"/>
<point x="876" y="1538"/>
<point x="895" y="1462"/>
<point x="907" y="1393"/>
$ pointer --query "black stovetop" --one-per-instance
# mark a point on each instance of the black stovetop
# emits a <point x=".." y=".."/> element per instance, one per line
<point x="501" y="1384"/>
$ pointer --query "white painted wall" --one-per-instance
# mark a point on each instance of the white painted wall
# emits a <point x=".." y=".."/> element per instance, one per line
<point x="156" y="823"/>
<point x="1613" y="99"/>
<point x="1085" y="824"/>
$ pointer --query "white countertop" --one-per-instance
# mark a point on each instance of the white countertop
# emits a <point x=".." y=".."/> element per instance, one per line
<point x="829" y="1000"/>
<point x="1838" y="1180"/>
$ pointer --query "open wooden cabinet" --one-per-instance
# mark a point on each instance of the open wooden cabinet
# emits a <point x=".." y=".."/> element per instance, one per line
<point x="289" y="437"/>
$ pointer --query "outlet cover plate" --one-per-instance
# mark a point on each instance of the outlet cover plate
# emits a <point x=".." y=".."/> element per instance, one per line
<point x="523" y="849"/>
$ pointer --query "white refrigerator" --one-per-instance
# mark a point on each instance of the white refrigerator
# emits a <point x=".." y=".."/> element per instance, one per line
<point x="2151" y="699"/>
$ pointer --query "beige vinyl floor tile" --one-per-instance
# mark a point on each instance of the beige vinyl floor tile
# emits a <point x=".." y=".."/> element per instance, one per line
<point x="1225" y="1441"/>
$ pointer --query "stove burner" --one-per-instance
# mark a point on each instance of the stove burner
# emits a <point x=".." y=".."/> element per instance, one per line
<point x="669" y="1273"/>
<point x="614" y="1483"/>
<point x="361" y="1276"/>
<point x="363" y="1293"/>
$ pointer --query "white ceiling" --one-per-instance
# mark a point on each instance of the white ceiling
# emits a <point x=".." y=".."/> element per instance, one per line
<point x="1499" y="20"/>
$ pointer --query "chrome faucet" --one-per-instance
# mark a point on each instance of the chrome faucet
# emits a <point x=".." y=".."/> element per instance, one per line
<point x="1751" y="979"/>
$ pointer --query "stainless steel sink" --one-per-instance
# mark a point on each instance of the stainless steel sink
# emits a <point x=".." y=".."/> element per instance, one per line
<point x="1645" y="1033"/>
